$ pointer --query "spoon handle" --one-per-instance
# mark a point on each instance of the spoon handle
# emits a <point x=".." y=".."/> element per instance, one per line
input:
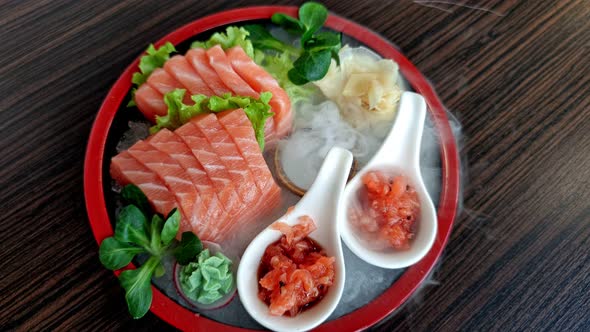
<point x="323" y="196"/>
<point x="402" y="144"/>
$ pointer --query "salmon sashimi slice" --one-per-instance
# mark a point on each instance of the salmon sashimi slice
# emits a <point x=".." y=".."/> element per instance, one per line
<point x="208" y="203"/>
<point x="197" y="57"/>
<point x="227" y="151"/>
<point x="185" y="74"/>
<point x="213" y="166"/>
<point x="270" y="137"/>
<point x="222" y="66"/>
<point x="240" y="129"/>
<point x="260" y="80"/>
<point x="127" y="170"/>
<point x="174" y="177"/>
<point x="267" y="202"/>
<point x="150" y="102"/>
<point x="255" y="200"/>
<point x="163" y="82"/>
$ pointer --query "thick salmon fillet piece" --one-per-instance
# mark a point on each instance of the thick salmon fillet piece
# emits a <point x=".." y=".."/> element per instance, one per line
<point x="240" y="129"/>
<point x="213" y="166"/>
<point x="174" y="177"/>
<point x="208" y="204"/>
<point x="127" y="170"/>
<point x="261" y="81"/>
<point x="185" y="74"/>
<point x="227" y="151"/>
<point x="222" y="66"/>
<point x="150" y="102"/>
<point x="236" y="123"/>
<point x="197" y="57"/>
<point x="163" y="82"/>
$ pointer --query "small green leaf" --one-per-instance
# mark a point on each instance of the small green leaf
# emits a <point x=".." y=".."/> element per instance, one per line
<point x="313" y="15"/>
<point x="131" y="102"/>
<point x="323" y="41"/>
<point x="290" y="24"/>
<point x="132" y="226"/>
<point x="188" y="248"/>
<point x="155" y="231"/>
<point x="296" y="78"/>
<point x="133" y="195"/>
<point x="160" y="271"/>
<point x="115" y="254"/>
<point x="278" y="66"/>
<point x="170" y="227"/>
<point x="137" y="285"/>
<point x="336" y="56"/>
<point x="263" y="40"/>
<point x="313" y="66"/>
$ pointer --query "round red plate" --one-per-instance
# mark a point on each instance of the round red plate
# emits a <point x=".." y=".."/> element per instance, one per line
<point x="374" y="311"/>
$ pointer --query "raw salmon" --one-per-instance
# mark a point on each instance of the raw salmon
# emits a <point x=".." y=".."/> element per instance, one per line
<point x="222" y="66"/>
<point x="261" y="81"/>
<point x="227" y="151"/>
<point x="240" y="129"/>
<point x="163" y="82"/>
<point x="175" y="178"/>
<point x="213" y="166"/>
<point x="183" y="72"/>
<point x="126" y="170"/>
<point x="270" y="137"/>
<point x="150" y="102"/>
<point x="197" y="57"/>
<point x="208" y="203"/>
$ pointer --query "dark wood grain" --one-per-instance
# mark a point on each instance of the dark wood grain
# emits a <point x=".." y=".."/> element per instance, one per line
<point x="517" y="76"/>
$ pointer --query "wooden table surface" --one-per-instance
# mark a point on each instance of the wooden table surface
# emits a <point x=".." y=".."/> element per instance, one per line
<point x="515" y="73"/>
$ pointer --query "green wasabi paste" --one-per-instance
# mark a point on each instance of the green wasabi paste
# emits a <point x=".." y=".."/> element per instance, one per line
<point x="208" y="279"/>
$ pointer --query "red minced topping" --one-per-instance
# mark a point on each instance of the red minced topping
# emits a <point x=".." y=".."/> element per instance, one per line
<point x="295" y="272"/>
<point x="387" y="212"/>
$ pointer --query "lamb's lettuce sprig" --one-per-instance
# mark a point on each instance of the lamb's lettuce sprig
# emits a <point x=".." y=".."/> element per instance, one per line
<point x="134" y="235"/>
<point x="313" y="59"/>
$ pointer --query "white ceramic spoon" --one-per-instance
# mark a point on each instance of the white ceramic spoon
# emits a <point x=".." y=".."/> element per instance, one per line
<point x="321" y="203"/>
<point x="400" y="152"/>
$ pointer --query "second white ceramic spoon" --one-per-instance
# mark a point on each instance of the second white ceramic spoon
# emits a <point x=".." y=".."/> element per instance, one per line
<point x="400" y="153"/>
<point x="321" y="203"/>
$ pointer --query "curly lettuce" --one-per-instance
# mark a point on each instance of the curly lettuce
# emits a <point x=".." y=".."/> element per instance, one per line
<point x="179" y="113"/>
<point x="154" y="58"/>
<point x="233" y="36"/>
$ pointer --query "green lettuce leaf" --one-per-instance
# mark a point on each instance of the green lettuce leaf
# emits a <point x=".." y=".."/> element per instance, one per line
<point x="257" y="110"/>
<point x="154" y="58"/>
<point x="138" y="288"/>
<point x="233" y="36"/>
<point x="257" y="113"/>
<point x="278" y="66"/>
